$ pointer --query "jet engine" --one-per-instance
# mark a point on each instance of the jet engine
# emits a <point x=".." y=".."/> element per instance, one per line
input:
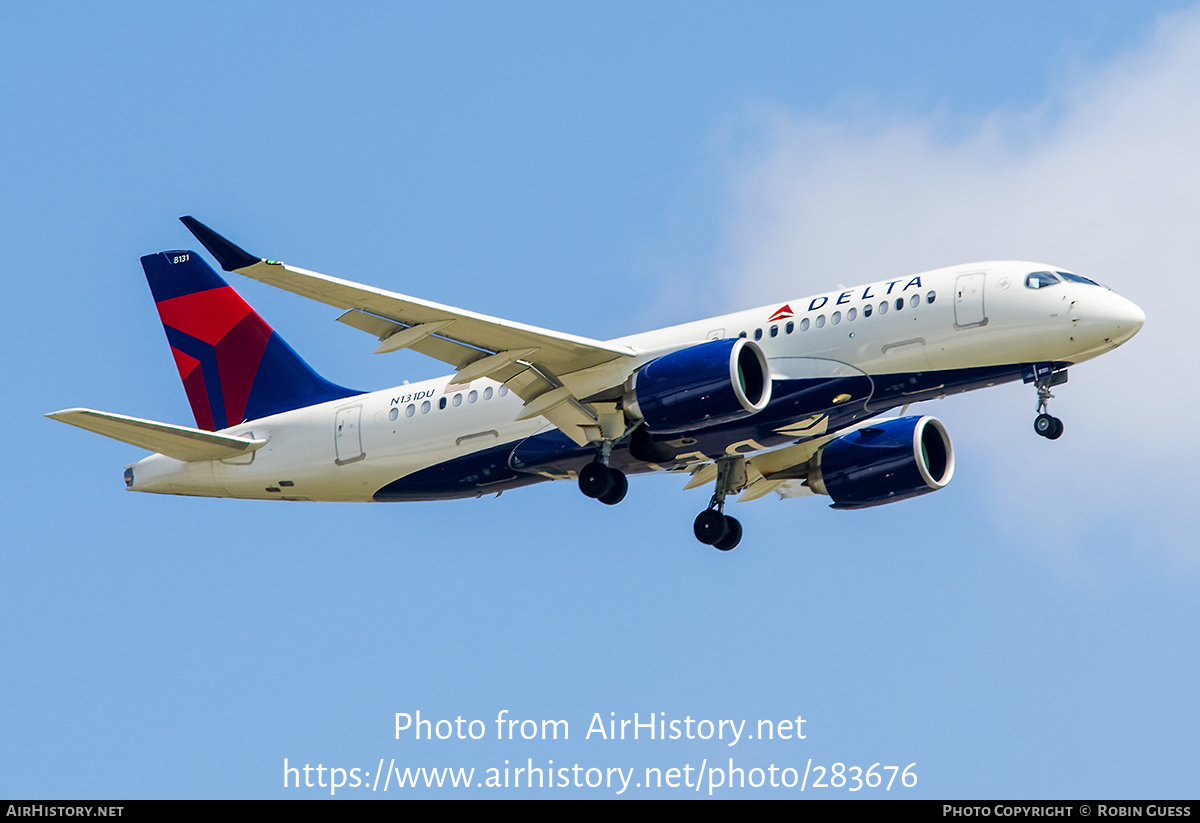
<point x="700" y="386"/>
<point x="884" y="462"/>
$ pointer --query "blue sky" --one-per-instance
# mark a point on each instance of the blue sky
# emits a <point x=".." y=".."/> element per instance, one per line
<point x="1027" y="632"/>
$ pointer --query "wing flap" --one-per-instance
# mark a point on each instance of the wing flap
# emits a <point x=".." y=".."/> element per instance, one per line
<point x="447" y="351"/>
<point x="381" y="327"/>
<point x="180" y="442"/>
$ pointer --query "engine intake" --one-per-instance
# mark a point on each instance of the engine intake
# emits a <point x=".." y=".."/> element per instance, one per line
<point x="701" y="386"/>
<point x="885" y="462"/>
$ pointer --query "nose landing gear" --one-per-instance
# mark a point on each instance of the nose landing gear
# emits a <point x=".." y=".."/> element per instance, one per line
<point x="1049" y="427"/>
<point x="1046" y="424"/>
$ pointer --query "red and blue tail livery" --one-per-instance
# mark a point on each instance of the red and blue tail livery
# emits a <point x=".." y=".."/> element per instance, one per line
<point x="233" y="365"/>
<point x="768" y="400"/>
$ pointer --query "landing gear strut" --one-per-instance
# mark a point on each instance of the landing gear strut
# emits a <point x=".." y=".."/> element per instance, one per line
<point x="1045" y="424"/>
<point x="713" y="527"/>
<point x="601" y="482"/>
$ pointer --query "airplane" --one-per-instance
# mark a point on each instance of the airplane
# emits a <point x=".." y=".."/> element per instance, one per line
<point x="805" y="397"/>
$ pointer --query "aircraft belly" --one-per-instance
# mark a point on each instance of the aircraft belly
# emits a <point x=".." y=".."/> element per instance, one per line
<point x="799" y="409"/>
<point x="428" y="459"/>
<point x="486" y="471"/>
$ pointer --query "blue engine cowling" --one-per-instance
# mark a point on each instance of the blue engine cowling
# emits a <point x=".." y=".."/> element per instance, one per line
<point x="884" y="462"/>
<point x="700" y="386"/>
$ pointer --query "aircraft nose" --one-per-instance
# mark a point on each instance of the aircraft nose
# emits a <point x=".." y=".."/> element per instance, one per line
<point x="1125" y="318"/>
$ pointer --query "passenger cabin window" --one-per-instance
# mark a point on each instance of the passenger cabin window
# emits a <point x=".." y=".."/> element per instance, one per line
<point x="1041" y="279"/>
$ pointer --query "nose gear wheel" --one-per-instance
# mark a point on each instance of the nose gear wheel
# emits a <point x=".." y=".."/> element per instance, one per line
<point x="1045" y="424"/>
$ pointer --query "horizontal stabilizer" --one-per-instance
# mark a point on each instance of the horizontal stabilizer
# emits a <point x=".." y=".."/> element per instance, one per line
<point x="179" y="442"/>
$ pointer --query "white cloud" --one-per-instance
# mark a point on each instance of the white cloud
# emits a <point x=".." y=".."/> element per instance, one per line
<point x="1103" y="179"/>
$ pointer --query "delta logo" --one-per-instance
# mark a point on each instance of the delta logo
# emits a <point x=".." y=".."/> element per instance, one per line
<point x="781" y="313"/>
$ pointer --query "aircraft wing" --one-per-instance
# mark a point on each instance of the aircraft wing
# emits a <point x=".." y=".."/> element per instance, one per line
<point x="776" y="471"/>
<point x="782" y="471"/>
<point x="530" y="360"/>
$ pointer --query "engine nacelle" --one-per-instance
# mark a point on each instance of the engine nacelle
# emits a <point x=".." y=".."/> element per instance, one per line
<point x="884" y="462"/>
<point x="700" y="386"/>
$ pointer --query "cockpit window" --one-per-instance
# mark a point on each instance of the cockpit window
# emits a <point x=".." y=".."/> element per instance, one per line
<point x="1075" y="278"/>
<point x="1041" y="279"/>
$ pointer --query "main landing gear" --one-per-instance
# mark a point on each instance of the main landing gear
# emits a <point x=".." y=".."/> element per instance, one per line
<point x="599" y="481"/>
<point x="713" y="527"/>
<point x="1045" y="424"/>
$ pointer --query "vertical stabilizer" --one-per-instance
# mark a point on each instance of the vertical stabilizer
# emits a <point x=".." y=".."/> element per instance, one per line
<point x="233" y="365"/>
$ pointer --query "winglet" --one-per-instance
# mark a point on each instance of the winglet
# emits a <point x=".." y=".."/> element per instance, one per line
<point x="230" y="257"/>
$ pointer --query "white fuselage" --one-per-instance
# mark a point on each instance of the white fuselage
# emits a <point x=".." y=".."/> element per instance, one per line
<point x="956" y="318"/>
